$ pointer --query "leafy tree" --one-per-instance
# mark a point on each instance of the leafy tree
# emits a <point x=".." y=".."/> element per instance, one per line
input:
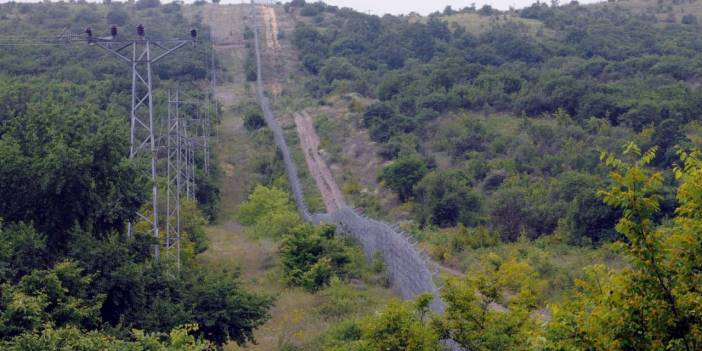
<point x="589" y="218"/>
<point x="222" y="309"/>
<point x="648" y="304"/>
<point x="445" y="198"/>
<point x="312" y="256"/>
<point x="147" y="4"/>
<point x="403" y="174"/>
<point x="400" y="326"/>
<point x="22" y="250"/>
<point x="57" y="295"/>
<point x="472" y="318"/>
<point x="66" y="166"/>
<point x="268" y="211"/>
<point x="179" y="339"/>
<point x="253" y="120"/>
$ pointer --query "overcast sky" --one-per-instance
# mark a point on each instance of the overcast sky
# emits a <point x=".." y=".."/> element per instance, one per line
<point x="396" y="7"/>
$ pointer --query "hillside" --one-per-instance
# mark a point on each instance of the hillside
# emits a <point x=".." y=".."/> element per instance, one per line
<point x="469" y="180"/>
<point x="481" y="132"/>
<point x="72" y="275"/>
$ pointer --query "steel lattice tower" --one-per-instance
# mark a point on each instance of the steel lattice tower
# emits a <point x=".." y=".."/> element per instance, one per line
<point x="141" y="53"/>
<point x="174" y="174"/>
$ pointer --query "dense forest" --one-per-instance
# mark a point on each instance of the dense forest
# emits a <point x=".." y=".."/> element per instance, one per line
<point x="69" y="276"/>
<point x="526" y="145"/>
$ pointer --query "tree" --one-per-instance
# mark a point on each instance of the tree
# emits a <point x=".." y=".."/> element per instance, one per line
<point x="472" y="318"/>
<point x="147" y="4"/>
<point x="445" y="198"/>
<point x="224" y="311"/>
<point x="22" y="250"/>
<point x="65" y="167"/>
<point x="400" y="327"/>
<point x="57" y="296"/>
<point x="689" y="19"/>
<point x="647" y="305"/>
<point x="312" y="256"/>
<point x="179" y="339"/>
<point x="253" y="120"/>
<point x="268" y="211"/>
<point x="403" y="174"/>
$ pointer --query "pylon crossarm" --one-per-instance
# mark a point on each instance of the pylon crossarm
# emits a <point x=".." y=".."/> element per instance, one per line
<point x="107" y="46"/>
<point x="168" y="51"/>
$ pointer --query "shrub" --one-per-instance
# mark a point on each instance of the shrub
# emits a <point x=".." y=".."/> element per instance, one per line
<point x="402" y="175"/>
<point x="253" y="120"/>
<point x="311" y="256"/>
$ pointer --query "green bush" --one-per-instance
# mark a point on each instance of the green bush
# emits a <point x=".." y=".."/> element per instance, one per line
<point x="311" y="256"/>
<point x="403" y="174"/>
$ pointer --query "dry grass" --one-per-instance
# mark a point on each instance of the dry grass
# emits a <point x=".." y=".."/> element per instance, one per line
<point x="477" y="24"/>
<point x="662" y="10"/>
<point x="295" y="319"/>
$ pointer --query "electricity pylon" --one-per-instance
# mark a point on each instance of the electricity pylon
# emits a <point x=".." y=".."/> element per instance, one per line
<point x="143" y="54"/>
<point x="184" y="134"/>
<point x="174" y="173"/>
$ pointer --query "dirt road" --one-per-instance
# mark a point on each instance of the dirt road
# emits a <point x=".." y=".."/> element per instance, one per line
<point x="270" y="21"/>
<point x="309" y="141"/>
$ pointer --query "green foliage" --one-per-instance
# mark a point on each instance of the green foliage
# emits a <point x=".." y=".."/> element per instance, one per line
<point x="446" y="199"/>
<point x="450" y="243"/>
<point x="22" y="250"/>
<point x="253" y="120"/>
<point x="588" y="78"/>
<point x="269" y="212"/>
<point x="70" y="278"/>
<point x="399" y="326"/>
<point x="402" y="175"/>
<point x="222" y="309"/>
<point x="57" y="295"/>
<point x="312" y="256"/>
<point x="648" y="304"/>
<point x="471" y="318"/>
<point x="179" y="339"/>
<point x="66" y="165"/>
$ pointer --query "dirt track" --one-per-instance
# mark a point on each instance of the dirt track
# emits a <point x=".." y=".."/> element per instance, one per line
<point x="270" y="22"/>
<point x="309" y="141"/>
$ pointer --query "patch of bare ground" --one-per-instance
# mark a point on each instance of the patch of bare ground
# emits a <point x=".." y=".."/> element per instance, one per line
<point x="350" y="153"/>
<point x="295" y="318"/>
<point x="309" y="141"/>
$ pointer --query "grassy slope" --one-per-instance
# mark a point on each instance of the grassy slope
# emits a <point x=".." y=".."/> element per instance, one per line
<point x="299" y="317"/>
<point x="476" y="24"/>
<point x="340" y="128"/>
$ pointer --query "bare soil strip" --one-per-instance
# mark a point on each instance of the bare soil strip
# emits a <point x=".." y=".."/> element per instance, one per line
<point x="331" y="194"/>
<point x="271" y="23"/>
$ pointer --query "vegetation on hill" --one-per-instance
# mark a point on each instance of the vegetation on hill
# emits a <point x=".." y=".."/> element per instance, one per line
<point x="503" y="127"/>
<point x="69" y="276"/>
<point x="492" y="126"/>
<point x="651" y="304"/>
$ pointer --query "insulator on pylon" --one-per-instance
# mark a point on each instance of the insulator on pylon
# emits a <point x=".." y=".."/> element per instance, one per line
<point x="140" y="30"/>
<point x="89" y="32"/>
<point x="113" y="31"/>
<point x="193" y="33"/>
